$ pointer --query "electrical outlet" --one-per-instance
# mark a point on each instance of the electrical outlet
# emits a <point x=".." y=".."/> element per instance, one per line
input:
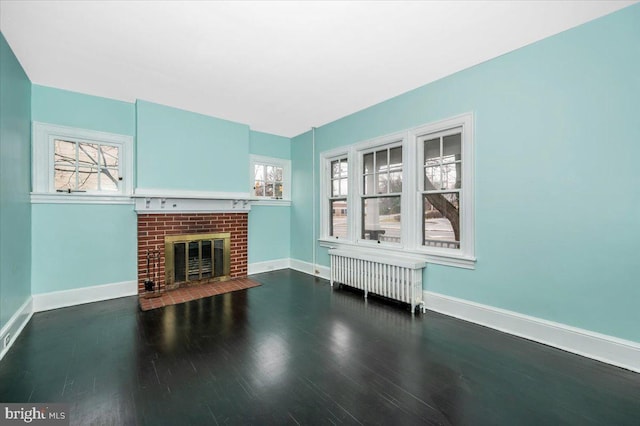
<point x="6" y="340"/>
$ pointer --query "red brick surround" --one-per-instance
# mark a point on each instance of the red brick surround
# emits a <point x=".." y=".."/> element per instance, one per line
<point x="152" y="228"/>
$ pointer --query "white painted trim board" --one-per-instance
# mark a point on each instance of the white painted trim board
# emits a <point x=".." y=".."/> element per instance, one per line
<point x="15" y="325"/>
<point x="79" y="296"/>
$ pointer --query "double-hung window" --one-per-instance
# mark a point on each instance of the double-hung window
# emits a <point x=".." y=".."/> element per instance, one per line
<point x="410" y="193"/>
<point x="339" y="189"/>
<point x="381" y="171"/>
<point x="80" y="165"/>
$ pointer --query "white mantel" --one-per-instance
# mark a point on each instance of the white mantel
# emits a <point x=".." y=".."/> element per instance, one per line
<point x="151" y="200"/>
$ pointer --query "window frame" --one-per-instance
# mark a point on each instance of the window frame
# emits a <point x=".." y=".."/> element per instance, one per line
<point x="256" y="160"/>
<point x="411" y="196"/>
<point x="43" y="164"/>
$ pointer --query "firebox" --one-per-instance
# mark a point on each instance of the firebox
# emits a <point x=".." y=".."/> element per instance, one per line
<point x="197" y="258"/>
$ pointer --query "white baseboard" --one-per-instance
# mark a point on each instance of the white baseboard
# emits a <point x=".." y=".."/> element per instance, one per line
<point x="15" y="325"/>
<point x="601" y="347"/>
<point x="311" y="269"/>
<point x="269" y="265"/>
<point x="79" y="296"/>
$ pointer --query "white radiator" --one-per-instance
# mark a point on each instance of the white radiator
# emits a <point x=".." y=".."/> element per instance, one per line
<point x="394" y="277"/>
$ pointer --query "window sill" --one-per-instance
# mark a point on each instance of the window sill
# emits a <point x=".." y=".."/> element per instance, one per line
<point x="64" y="198"/>
<point x="270" y="202"/>
<point x="438" y="259"/>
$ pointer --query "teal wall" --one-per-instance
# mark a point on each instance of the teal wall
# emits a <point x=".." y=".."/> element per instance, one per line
<point x="302" y="197"/>
<point x="269" y="226"/>
<point x="78" y="245"/>
<point x="15" y="184"/>
<point x="557" y="199"/>
<point x="181" y="150"/>
<point x="269" y="145"/>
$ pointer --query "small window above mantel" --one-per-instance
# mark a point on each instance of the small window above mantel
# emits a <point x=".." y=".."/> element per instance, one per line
<point x="74" y="165"/>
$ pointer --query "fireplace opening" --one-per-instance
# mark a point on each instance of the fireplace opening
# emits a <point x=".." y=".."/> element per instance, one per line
<point x="197" y="258"/>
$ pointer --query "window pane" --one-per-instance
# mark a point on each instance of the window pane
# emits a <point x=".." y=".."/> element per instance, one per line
<point x="338" y="222"/>
<point x="335" y="188"/>
<point x="109" y="155"/>
<point x="382" y="183"/>
<point x="395" y="159"/>
<point x="268" y="189"/>
<point x="451" y="147"/>
<point x="344" y="168"/>
<point x="278" y="190"/>
<point x="432" y="152"/>
<point x="381" y="161"/>
<point x="278" y="174"/>
<point x="432" y="178"/>
<point x="368" y="163"/>
<point x="441" y="213"/>
<point x="271" y="174"/>
<point x="64" y="177"/>
<point x="258" y="172"/>
<point x="369" y="185"/>
<point x="344" y="185"/>
<point x="87" y="179"/>
<point x="381" y="219"/>
<point x="451" y="176"/>
<point x="109" y="179"/>
<point x="65" y="152"/>
<point x="259" y="188"/>
<point x="335" y="169"/>
<point x="395" y="182"/>
<point x="87" y="154"/>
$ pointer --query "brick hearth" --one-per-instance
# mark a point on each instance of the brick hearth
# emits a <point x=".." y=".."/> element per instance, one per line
<point x="152" y="228"/>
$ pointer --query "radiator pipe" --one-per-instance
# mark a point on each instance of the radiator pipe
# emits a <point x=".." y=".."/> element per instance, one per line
<point x="314" y="194"/>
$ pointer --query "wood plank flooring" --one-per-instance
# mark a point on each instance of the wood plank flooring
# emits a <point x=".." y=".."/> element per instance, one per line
<point x="294" y="351"/>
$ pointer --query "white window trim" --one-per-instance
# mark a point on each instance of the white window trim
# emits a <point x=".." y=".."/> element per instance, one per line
<point x="43" y="158"/>
<point x="411" y="234"/>
<point x="286" y="180"/>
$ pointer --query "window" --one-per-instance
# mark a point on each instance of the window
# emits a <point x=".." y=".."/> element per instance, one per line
<point x="71" y="164"/>
<point x="339" y="189"/>
<point x="411" y="192"/>
<point x="441" y="188"/>
<point x="270" y="178"/>
<point x="381" y="194"/>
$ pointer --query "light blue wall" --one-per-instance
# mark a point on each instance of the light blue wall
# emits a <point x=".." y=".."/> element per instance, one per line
<point x="269" y="226"/>
<point x="301" y="198"/>
<point x="15" y="184"/>
<point x="269" y="145"/>
<point x="557" y="199"/>
<point x="77" y="245"/>
<point x="181" y="150"/>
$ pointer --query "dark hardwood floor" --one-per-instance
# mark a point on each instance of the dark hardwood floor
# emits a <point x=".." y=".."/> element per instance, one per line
<point x="294" y="351"/>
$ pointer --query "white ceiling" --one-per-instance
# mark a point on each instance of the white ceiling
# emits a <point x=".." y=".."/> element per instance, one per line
<point x="280" y="67"/>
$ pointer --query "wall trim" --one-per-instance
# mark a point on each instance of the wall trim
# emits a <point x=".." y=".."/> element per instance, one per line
<point x="309" y="268"/>
<point x="269" y="265"/>
<point x="601" y="347"/>
<point x="79" y="296"/>
<point x="15" y="325"/>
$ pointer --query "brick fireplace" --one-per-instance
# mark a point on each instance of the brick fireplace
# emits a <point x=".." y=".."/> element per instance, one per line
<point x="154" y="227"/>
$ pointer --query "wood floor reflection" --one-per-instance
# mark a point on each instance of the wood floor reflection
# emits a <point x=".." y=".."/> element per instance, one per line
<point x="294" y="351"/>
